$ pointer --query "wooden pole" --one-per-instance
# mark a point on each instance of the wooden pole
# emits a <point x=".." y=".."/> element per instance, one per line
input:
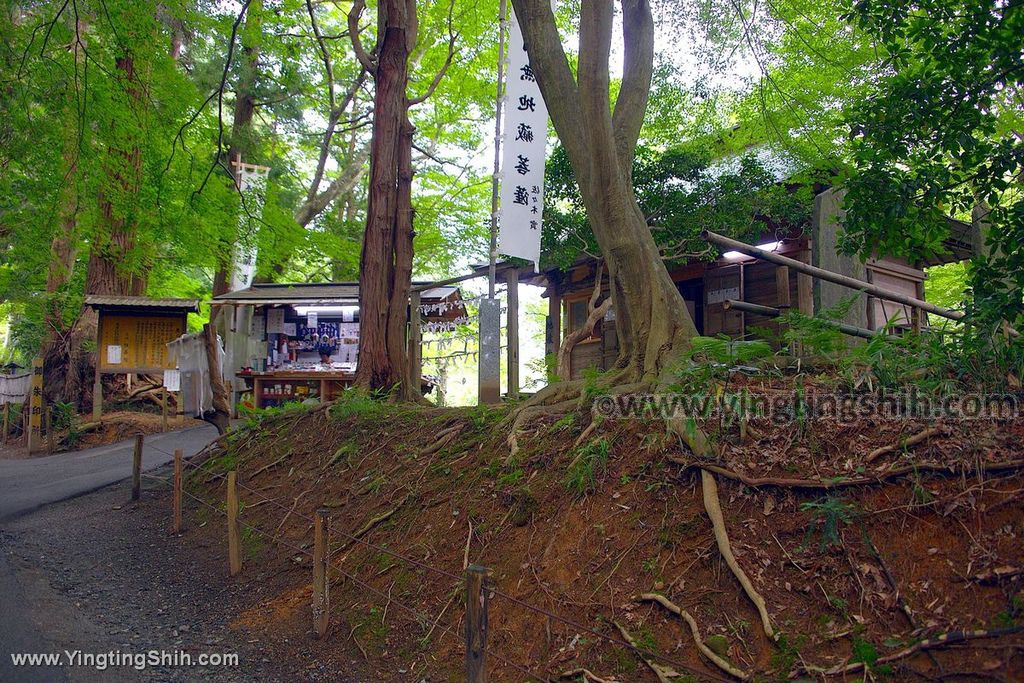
<point x="476" y="624"/>
<point x="35" y="406"/>
<point x="177" y="490"/>
<point x="321" y="563"/>
<point x="163" y="408"/>
<point x="512" y="280"/>
<point x="415" y="345"/>
<point x="50" y="441"/>
<point x="7" y="420"/>
<point x="97" y="385"/>
<point x="829" y="276"/>
<point x="234" y="539"/>
<point x="768" y="311"/>
<point x="137" y="468"/>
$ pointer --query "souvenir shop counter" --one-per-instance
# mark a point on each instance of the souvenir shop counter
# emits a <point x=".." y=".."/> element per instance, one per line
<point x="275" y="387"/>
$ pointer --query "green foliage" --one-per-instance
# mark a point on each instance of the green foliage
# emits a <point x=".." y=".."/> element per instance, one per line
<point x="828" y="516"/>
<point x="937" y="137"/>
<point x="590" y="461"/>
<point x="357" y="402"/>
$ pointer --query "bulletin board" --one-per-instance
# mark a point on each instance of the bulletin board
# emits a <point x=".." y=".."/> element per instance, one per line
<point x="137" y="343"/>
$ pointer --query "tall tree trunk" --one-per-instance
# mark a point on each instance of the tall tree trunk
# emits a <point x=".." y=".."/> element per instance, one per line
<point x="241" y="124"/>
<point x="385" y="268"/>
<point x="651" y="318"/>
<point x="111" y="253"/>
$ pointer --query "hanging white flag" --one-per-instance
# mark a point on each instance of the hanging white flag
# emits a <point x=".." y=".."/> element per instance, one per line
<point x="252" y="185"/>
<point x="522" y="168"/>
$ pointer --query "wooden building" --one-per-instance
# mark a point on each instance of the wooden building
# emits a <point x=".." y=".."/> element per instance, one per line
<point x="706" y="286"/>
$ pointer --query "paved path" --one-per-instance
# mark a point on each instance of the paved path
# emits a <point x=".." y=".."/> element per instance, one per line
<point x="33" y="482"/>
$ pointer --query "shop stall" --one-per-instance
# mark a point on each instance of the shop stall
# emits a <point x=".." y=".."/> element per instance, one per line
<point x="298" y="342"/>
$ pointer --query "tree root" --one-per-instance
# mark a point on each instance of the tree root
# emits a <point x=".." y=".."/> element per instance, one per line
<point x="531" y="412"/>
<point x="884" y="475"/>
<point x="714" y="510"/>
<point x="941" y="641"/>
<point x="665" y="674"/>
<point x="710" y="654"/>
<point x="444" y="437"/>
<point x="903" y="443"/>
<point x="587" y="675"/>
<point x="270" y="466"/>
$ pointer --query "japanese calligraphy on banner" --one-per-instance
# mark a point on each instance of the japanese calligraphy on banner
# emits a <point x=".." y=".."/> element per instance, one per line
<point x="522" y="167"/>
<point x="252" y="185"/>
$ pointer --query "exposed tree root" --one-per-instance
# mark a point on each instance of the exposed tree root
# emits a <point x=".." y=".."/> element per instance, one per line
<point x="710" y="654"/>
<point x="903" y="443"/>
<point x="996" y="575"/>
<point x="384" y="516"/>
<point x="595" y="422"/>
<point x="665" y="674"/>
<point x="885" y="475"/>
<point x="532" y="412"/>
<point x="937" y="642"/>
<point x="587" y="675"/>
<point x="444" y="437"/>
<point x="714" y="510"/>
<point x="270" y="466"/>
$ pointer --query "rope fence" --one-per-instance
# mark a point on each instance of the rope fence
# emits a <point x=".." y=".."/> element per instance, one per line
<point x="479" y="587"/>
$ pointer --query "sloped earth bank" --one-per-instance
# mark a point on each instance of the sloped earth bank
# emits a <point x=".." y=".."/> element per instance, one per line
<point x="851" y="575"/>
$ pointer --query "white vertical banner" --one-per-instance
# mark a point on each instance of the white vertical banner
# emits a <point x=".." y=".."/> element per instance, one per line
<point x="523" y="148"/>
<point x="252" y="185"/>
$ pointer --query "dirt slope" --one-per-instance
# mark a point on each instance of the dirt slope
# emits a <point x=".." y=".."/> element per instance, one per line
<point x="851" y="575"/>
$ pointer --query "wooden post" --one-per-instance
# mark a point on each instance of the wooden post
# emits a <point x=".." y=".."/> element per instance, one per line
<point x="415" y="344"/>
<point x="554" y="321"/>
<point x="50" y="440"/>
<point x="177" y="490"/>
<point x="321" y="564"/>
<point x="7" y="420"/>
<point x="137" y="468"/>
<point x="476" y="624"/>
<point x="35" y="406"/>
<point x="234" y="539"/>
<point x="97" y="386"/>
<point x="512" y="280"/>
<point x="163" y="407"/>
<point x="782" y="297"/>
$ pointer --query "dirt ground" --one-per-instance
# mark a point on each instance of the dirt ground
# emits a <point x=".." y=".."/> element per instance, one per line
<point x="101" y="573"/>
<point x="851" y="575"/>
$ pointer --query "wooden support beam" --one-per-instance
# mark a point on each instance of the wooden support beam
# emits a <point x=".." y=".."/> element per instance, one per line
<point x="768" y="311"/>
<point x="512" y="278"/>
<point x="554" y="323"/>
<point x="782" y="298"/>
<point x="822" y="274"/>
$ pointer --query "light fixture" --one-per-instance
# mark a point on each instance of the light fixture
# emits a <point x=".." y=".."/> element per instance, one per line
<point x="767" y="246"/>
<point x="304" y="310"/>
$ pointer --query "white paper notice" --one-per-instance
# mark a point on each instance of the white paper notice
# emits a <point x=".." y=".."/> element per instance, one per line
<point x="522" y="167"/>
<point x="289" y="329"/>
<point x="311" y="319"/>
<point x="172" y="380"/>
<point x="275" y="320"/>
<point x="113" y="354"/>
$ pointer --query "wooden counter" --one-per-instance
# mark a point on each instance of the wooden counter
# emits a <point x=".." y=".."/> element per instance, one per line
<point x="276" y="387"/>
